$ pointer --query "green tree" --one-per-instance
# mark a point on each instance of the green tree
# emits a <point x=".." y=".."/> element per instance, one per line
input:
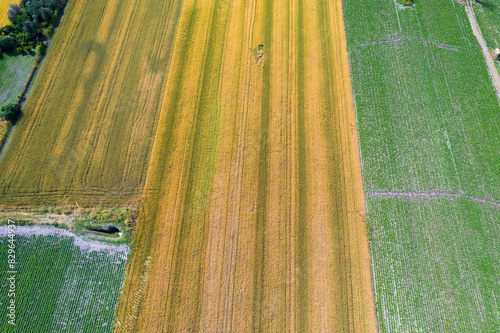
<point x="7" y="43"/>
<point x="55" y="16"/>
<point x="10" y="111"/>
<point x="40" y="49"/>
<point x="14" y="12"/>
<point x="45" y="14"/>
<point x="30" y="29"/>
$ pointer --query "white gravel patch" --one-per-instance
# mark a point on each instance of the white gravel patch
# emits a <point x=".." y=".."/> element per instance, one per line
<point x="83" y="243"/>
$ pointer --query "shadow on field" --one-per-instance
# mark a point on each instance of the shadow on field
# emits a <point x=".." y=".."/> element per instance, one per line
<point x="89" y="80"/>
<point x="14" y="53"/>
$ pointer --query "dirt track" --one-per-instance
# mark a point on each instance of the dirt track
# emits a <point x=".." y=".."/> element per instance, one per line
<point x="259" y="219"/>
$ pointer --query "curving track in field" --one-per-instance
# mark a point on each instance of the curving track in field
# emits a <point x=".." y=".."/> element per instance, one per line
<point x="257" y="218"/>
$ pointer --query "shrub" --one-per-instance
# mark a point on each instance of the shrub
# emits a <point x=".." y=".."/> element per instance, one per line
<point x="7" y="43"/>
<point x="40" y="49"/>
<point x="21" y="37"/>
<point x="49" y="31"/>
<point x="10" y="111"/>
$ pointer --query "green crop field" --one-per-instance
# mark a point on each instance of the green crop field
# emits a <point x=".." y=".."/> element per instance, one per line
<point x="63" y="282"/>
<point x="429" y="129"/>
<point x="15" y="71"/>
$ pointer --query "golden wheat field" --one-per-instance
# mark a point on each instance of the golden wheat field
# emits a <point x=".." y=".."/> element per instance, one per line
<point x="253" y="216"/>
<point x="232" y="124"/>
<point x="88" y="126"/>
<point x="4" y="7"/>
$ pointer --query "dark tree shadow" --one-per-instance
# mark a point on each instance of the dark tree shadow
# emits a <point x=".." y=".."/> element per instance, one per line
<point x="488" y="4"/>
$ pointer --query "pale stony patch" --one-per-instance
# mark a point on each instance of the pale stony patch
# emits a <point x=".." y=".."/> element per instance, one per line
<point x="82" y="243"/>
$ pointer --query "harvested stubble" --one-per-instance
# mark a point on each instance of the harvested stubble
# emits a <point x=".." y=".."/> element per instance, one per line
<point x="258" y="218"/>
<point x="87" y="128"/>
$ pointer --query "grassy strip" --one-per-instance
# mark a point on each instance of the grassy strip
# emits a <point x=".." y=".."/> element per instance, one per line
<point x="14" y="72"/>
<point x="331" y="117"/>
<point x="202" y="162"/>
<point x="75" y="219"/>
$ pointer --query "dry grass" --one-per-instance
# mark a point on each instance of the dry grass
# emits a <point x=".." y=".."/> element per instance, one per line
<point x="259" y="218"/>
<point x="88" y="125"/>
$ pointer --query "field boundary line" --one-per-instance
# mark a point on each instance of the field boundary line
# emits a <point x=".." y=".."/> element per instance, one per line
<point x="363" y="178"/>
<point x="397" y="14"/>
<point x="410" y="38"/>
<point x="433" y="194"/>
<point x="389" y="40"/>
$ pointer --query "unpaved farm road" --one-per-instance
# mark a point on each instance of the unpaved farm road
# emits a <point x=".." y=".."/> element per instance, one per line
<point x="495" y="78"/>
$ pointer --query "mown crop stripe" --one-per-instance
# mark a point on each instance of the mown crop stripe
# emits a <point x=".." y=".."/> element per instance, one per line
<point x="202" y="167"/>
<point x="263" y="174"/>
<point x="302" y="279"/>
<point x="149" y="217"/>
<point x="333" y="139"/>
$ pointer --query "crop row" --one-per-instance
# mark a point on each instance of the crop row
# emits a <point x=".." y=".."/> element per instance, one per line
<point x="436" y="264"/>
